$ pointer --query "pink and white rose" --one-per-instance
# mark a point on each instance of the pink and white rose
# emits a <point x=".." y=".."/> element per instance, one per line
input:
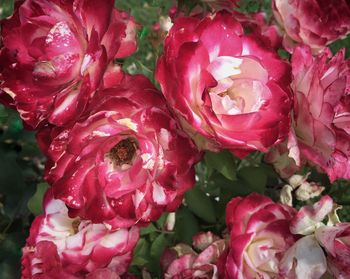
<point x="126" y="161"/>
<point x="63" y="247"/>
<point x="230" y="92"/>
<point x="336" y="241"/>
<point x="322" y="110"/>
<point x="55" y="53"/>
<point x="259" y="237"/>
<point x="316" y="23"/>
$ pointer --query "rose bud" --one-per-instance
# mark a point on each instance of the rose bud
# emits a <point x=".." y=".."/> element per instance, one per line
<point x="259" y="237"/>
<point x="62" y="247"/>
<point x="126" y="161"/>
<point x="308" y="191"/>
<point x="229" y="92"/>
<point x="314" y="23"/>
<point x="322" y="110"/>
<point x="182" y="261"/>
<point x="55" y="53"/>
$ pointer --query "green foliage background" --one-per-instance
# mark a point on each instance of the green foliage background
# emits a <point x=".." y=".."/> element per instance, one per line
<point x="220" y="176"/>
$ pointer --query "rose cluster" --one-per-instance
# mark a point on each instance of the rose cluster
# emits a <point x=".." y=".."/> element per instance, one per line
<point x="272" y="240"/>
<point x="267" y="240"/>
<point x="120" y="152"/>
<point x="116" y="158"/>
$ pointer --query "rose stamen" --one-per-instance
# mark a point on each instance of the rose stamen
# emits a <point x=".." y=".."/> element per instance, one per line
<point x="123" y="152"/>
<point x="75" y="225"/>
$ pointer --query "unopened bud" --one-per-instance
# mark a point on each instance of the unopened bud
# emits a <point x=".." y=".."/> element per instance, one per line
<point x="308" y="191"/>
<point x="297" y="179"/>
<point x="286" y="195"/>
<point x="170" y="221"/>
<point x="333" y="217"/>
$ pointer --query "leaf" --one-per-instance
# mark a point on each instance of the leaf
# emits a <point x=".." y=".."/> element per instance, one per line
<point x="141" y="253"/>
<point x="11" y="177"/>
<point x="223" y="162"/>
<point x="143" y="33"/>
<point x="3" y="113"/>
<point x="186" y="225"/>
<point x="149" y="229"/>
<point x="161" y="220"/>
<point x="200" y="204"/>
<point x="35" y="202"/>
<point x="253" y="177"/>
<point x="10" y="255"/>
<point x="339" y="44"/>
<point x="157" y="248"/>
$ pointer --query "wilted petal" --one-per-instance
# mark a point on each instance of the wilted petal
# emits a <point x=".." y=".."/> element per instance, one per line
<point x="310" y="217"/>
<point x="305" y="260"/>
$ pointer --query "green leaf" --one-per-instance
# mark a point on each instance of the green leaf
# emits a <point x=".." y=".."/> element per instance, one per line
<point x="253" y="177"/>
<point x="249" y="6"/>
<point x="10" y="255"/>
<point x="3" y="112"/>
<point x="161" y="220"/>
<point x="35" y="202"/>
<point x="141" y="253"/>
<point x="223" y="162"/>
<point x="186" y="225"/>
<point x="149" y="229"/>
<point x="157" y="248"/>
<point x="339" y="44"/>
<point x="283" y="54"/>
<point x="200" y="204"/>
<point x="6" y="8"/>
<point x="144" y="33"/>
<point x="11" y="175"/>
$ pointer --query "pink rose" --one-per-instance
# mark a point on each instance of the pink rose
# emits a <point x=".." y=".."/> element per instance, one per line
<point x="64" y="247"/>
<point x="322" y="110"/>
<point x="316" y="23"/>
<point x="259" y="233"/>
<point x="182" y="262"/>
<point x="55" y="53"/>
<point x="228" y="91"/>
<point x="126" y="161"/>
<point x="336" y="241"/>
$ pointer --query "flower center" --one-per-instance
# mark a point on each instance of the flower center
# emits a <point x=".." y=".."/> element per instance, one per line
<point x="241" y="85"/>
<point x="123" y="152"/>
<point x="75" y="225"/>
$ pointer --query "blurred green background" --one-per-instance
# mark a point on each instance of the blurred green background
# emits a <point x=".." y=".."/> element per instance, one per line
<point x="220" y="176"/>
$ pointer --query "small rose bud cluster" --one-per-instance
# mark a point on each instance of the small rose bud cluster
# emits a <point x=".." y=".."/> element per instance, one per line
<point x="303" y="190"/>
